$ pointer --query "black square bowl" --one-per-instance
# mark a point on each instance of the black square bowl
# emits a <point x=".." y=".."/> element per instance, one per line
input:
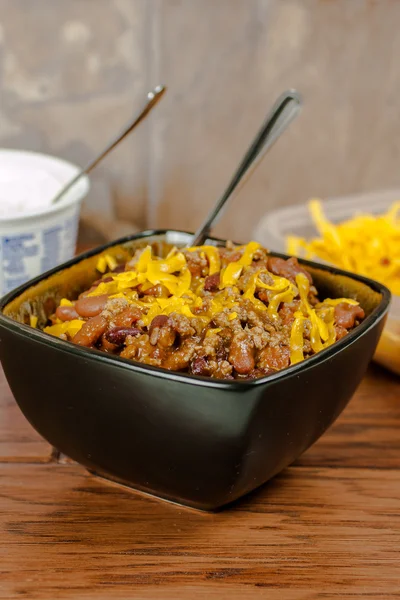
<point x="193" y="440"/>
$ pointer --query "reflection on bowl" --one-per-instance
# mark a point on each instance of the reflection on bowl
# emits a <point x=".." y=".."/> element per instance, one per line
<point x="198" y="441"/>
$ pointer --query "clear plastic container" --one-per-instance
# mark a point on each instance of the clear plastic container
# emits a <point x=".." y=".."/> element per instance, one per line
<point x="274" y="228"/>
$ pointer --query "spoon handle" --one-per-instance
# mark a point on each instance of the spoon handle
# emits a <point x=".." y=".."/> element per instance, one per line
<point x="152" y="99"/>
<point x="285" y="109"/>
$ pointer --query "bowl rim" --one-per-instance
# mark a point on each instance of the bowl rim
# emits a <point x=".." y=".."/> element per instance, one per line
<point x="97" y="355"/>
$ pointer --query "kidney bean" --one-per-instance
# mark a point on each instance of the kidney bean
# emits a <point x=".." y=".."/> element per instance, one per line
<point x="106" y="345"/>
<point x="90" y="306"/>
<point x="118" y="335"/>
<point x="211" y="283"/>
<point x="158" y="321"/>
<point x="66" y="313"/>
<point x="241" y="354"/>
<point x="260" y="373"/>
<point x="199" y="366"/>
<point x="128" y="316"/>
<point x="91" y="331"/>
<point x="346" y="314"/>
<point x="161" y="332"/>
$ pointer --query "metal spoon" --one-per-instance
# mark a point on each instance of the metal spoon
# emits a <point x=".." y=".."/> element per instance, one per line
<point x="152" y="99"/>
<point x="285" y="109"/>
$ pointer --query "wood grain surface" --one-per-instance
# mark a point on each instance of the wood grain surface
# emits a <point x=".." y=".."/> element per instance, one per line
<point x="327" y="527"/>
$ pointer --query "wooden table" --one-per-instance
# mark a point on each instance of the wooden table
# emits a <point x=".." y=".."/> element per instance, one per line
<point x="327" y="527"/>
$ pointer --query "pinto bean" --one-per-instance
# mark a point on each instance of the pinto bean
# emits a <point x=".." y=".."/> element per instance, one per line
<point x="158" y="321"/>
<point x="346" y="314"/>
<point x="340" y="332"/>
<point x="91" y="331"/>
<point x="66" y="313"/>
<point x="241" y="354"/>
<point x="118" y="335"/>
<point x="90" y="306"/>
<point x="274" y="357"/>
<point x="158" y="291"/>
<point x="128" y="316"/>
<point x="107" y="346"/>
<point x="287" y="268"/>
<point x="211" y="283"/>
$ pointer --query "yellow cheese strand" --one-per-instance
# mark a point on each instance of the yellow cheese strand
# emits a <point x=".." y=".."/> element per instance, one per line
<point x="249" y="250"/>
<point x="285" y="296"/>
<point x="214" y="260"/>
<point x="101" y="264"/>
<point x="65" y="302"/>
<point x="296" y="339"/>
<point x="70" y="327"/>
<point x="231" y="274"/>
<point x="336" y="301"/>
<point x="211" y="332"/>
<point x="33" y="320"/>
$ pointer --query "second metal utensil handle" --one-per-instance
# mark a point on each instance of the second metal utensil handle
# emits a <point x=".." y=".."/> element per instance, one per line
<point x="151" y="100"/>
<point x="281" y="115"/>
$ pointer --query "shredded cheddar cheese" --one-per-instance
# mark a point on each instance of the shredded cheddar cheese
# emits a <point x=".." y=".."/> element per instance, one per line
<point x="70" y="327"/>
<point x="33" y="320"/>
<point x="182" y="293"/>
<point x="366" y="244"/>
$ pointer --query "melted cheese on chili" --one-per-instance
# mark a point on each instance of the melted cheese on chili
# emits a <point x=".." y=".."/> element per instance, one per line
<point x="185" y="294"/>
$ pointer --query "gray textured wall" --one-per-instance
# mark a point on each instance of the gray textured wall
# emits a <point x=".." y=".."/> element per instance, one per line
<point x="72" y="72"/>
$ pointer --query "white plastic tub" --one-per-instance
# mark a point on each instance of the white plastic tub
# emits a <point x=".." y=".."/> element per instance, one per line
<point x="41" y="236"/>
<point x="274" y="228"/>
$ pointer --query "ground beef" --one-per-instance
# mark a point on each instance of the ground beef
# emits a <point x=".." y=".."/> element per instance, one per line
<point x="241" y="340"/>
<point x="197" y="263"/>
<point x="211" y="282"/>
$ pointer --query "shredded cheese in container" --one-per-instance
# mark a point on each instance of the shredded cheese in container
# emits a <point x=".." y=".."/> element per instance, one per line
<point x="366" y="244"/>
